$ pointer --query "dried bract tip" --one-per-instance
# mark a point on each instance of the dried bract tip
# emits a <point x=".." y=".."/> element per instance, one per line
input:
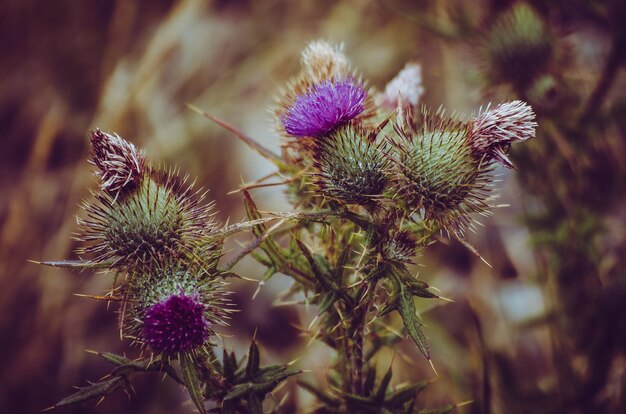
<point x="324" y="106"/>
<point x="120" y="164"/>
<point x="322" y="61"/>
<point x="493" y="131"/>
<point x="404" y="90"/>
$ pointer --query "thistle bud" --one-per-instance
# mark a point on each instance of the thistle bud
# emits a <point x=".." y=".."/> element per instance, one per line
<point x="161" y="218"/>
<point x="493" y="131"/>
<point x="323" y="107"/>
<point x="120" y="165"/>
<point x="173" y="310"/>
<point x="518" y="47"/>
<point x="322" y="61"/>
<point x="439" y="176"/>
<point x="400" y="247"/>
<point x="350" y="166"/>
<point x="405" y="88"/>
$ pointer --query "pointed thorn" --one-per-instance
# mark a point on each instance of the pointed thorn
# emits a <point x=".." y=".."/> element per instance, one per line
<point x="430" y="361"/>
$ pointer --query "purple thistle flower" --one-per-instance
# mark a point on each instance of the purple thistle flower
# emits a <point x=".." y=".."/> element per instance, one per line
<point x="176" y="324"/>
<point x="325" y="106"/>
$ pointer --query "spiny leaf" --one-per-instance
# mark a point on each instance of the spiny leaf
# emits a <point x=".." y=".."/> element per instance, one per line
<point x="370" y="378"/>
<point x="96" y="390"/>
<point x="402" y="395"/>
<point x="192" y="382"/>
<point x="253" y="360"/>
<point x="230" y="365"/>
<point x="77" y="264"/>
<point x="382" y="388"/>
<point x="406" y="307"/>
<point x="115" y="359"/>
<point x="262" y="384"/>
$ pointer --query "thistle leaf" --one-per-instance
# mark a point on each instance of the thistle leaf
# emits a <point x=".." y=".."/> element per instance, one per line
<point x="95" y="390"/>
<point x="77" y="264"/>
<point x="253" y="360"/>
<point x="192" y="382"/>
<point x="406" y="307"/>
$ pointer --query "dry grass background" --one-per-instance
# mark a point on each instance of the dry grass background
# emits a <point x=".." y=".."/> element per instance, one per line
<point x="130" y="67"/>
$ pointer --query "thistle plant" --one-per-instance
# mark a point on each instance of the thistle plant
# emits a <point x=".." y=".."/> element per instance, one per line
<point x="373" y="179"/>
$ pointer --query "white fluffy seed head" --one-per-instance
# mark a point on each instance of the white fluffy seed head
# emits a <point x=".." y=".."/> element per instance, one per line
<point x="405" y="89"/>
<point x="322" y="60"/>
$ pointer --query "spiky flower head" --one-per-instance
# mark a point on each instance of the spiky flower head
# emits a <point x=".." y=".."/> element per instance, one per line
<point x="518" y="46"/>
<point x="162" y="218"/>
<point x="173" y="310"/>
<point x="322" y="60"/>
<point x="324" y="107"/>
<point x="120" y="165"/>
<point x="494" y="130"/>
<point x="440" y="178"/>
<point x="400" y="247"/>
<point x="350" y="165"/>
<point x="405" y="88"/>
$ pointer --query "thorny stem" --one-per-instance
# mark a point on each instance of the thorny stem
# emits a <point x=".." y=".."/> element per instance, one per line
<point x="358" y="338"/>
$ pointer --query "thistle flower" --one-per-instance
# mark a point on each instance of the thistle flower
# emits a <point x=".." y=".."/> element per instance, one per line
<point x="405" y="88"/>
<point x="440" y="178"/>
<point x="162" y="217"/>
<point x="173" y="310"/>
<point x="323" y="61"/>
<point x="493" y="131"/>
<point x="350" y="166"/>
<point x="120" y="164"/>
<point x="518" y="46"/>
<point x="324" y="107"/>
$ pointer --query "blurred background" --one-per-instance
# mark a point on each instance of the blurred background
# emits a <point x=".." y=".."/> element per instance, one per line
<point x="543" y="331"/>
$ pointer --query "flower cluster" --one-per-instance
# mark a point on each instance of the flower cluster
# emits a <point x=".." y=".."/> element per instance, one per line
<point x="435" y="167"/>
<point x="156" y="230"/>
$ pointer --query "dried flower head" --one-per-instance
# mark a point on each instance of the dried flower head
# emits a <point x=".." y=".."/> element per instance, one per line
<point x="173" y="310"/>
<point x="324" y="106"/>
<point x="405" y="88"/>
<point x="323" y="61"/>
<point x="494" y="130"/>
<point x="120" y="164"/>
<point x="440" y="178"/>
<point x="350" y="165"/>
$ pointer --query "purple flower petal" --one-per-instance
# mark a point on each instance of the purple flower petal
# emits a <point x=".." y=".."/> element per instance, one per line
<point x="324" y="107"/>
<point x="176" y="324"/>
